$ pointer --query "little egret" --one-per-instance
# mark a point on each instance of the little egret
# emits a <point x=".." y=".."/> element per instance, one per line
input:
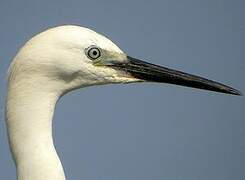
<point x="55" y="62"/>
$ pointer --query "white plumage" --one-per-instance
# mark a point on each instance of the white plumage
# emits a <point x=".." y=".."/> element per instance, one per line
<point x="55" y="62"/>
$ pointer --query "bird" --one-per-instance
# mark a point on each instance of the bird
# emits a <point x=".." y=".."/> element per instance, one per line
<point x="55" y="62"/>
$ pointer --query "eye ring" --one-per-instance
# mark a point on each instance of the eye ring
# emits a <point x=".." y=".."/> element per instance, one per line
<point x="93" y="52"/>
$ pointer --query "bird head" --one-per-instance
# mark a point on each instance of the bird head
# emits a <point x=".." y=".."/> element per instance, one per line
<point x="70" y="57"/>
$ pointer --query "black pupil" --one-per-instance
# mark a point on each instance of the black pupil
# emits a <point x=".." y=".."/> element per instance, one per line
<point x="94" y="52"/>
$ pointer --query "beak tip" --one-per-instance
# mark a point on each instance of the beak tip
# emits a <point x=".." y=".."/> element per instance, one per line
<point x="239" y="93"/>
<point x="235" y="92"/>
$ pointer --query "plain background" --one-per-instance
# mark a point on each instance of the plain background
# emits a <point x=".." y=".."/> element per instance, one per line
<point x="143" y="131"/>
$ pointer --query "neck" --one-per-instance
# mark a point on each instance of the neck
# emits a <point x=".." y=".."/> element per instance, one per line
<point x="29" y="112"/>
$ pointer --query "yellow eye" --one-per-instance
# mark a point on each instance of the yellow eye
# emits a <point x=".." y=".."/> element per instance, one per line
<point x="93" y="52"/>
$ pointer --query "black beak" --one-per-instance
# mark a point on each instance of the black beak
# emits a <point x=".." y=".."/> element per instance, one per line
<point x="154" y="73"/>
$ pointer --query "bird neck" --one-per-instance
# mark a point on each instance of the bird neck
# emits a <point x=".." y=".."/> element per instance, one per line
<point x="29" y="113"/>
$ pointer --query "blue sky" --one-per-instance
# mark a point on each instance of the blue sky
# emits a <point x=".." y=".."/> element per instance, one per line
<point x="143" y="131"/>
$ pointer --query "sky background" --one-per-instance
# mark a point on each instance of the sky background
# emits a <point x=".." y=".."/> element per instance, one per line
<point x="143" y="131"/>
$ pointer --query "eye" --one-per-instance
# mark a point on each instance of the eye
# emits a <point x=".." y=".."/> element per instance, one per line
<point x="93" y="52"/>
